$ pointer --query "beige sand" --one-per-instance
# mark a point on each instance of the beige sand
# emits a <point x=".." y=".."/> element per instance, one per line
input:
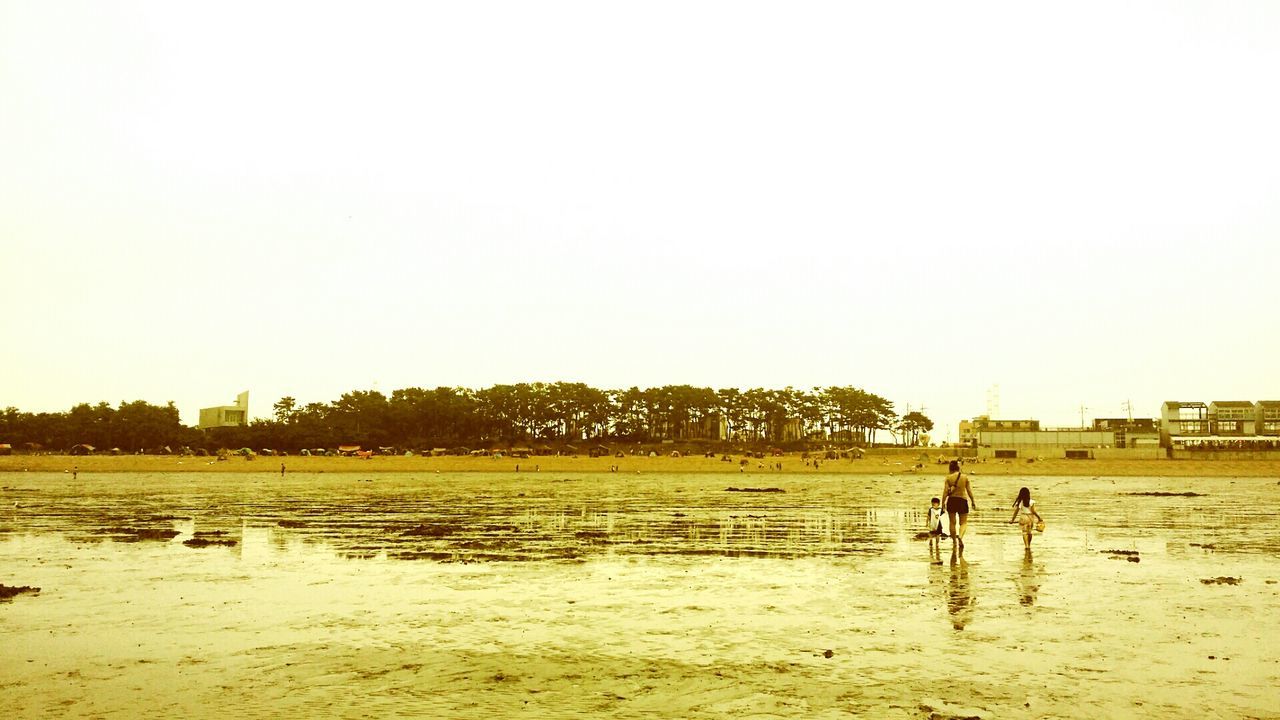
<point x="873" y="464"/>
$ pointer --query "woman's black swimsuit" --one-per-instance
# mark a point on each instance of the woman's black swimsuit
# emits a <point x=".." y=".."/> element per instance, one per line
<point x="957" y="505"/>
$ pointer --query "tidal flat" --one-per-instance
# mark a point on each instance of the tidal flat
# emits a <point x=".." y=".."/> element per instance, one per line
<point x="558" y="595"/>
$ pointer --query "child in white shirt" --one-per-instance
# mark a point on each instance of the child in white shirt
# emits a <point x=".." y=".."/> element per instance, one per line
<point x="935" y="519"/>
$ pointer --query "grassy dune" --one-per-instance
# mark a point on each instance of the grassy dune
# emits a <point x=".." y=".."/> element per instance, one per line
<point x="791" y="464"/>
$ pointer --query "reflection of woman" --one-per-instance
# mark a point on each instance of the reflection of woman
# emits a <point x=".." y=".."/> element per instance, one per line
<point x="959" y="593"/>
<point x="954" y="490"/>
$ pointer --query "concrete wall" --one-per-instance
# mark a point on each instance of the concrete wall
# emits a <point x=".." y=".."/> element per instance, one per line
<point x="1047" y="438"/>
<point x="1142" y="453"/>
<point x="1050" y="452"/>
<point x="1226" y="454"/>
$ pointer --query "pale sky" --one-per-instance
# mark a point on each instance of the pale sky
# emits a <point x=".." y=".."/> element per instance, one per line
<point x="1075" y="202"/>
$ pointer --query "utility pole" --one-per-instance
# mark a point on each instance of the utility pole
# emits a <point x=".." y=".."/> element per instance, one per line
<point x="1128" y="405"/>
<point x="1082" y="409"/>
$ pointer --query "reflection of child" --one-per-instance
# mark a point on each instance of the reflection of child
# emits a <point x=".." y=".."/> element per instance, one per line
<point x="935" y="518"/>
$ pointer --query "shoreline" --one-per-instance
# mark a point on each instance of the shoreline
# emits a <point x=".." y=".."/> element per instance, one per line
<point x="872" y="464"/>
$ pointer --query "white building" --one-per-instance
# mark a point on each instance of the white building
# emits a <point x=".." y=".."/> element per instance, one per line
<point x="226" y="415"/>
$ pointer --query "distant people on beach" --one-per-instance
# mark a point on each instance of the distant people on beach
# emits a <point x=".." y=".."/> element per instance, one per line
<point x="954" y="491"/>
<point x="1026" y="515"/>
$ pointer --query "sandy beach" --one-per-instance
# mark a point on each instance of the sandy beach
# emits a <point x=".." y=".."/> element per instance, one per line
<point x="896" y="463"/>
<point x="555" y="595"/>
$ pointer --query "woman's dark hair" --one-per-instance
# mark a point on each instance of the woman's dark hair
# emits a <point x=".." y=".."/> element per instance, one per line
<point x="1024" y="498"/>
<point x="955" y="466"/>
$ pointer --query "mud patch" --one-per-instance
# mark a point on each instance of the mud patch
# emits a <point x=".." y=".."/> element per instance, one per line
<point x="1165" y="494"/>
<point x="202" y="542"/>
<point x="1130" y="555"/>
<point x="1222" y="580"/>
<point x="755" y="490"/>
<point x="131" y="534"/>
<point x="8" y="593"/>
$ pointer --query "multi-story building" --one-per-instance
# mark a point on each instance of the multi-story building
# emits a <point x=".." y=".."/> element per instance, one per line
<point x="1183" y="419"/>
<point x="226" y="415"/>
<point x="1267" y="418"/>
<point x="1231" y="418"/>
<point x="1222" y="425"/>
<point x="970" y="429"/>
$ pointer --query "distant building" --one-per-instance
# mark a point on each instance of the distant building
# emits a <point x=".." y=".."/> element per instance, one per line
<point x="1222" y="424"/>
<point x="1183" y="419"/>
<point x="1131" y="432"/>
<point x="1232" y="417"/>
<point x="1268" y="417"/>
<point x="971" y="429"/>
<point x="226" y="415"/>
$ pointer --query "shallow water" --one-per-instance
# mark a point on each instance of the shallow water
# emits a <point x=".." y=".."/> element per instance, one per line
<point x="483" y="595"/>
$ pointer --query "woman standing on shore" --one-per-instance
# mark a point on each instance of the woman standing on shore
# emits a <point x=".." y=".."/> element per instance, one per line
<point x="954" y="491"/>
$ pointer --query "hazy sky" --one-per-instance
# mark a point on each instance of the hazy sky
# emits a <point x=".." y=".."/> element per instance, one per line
<point x="1076" y="202"/>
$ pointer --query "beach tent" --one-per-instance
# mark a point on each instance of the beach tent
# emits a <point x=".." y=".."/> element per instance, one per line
<point x="82" y="449"/>
<point x="348" y="449"/>
<point x="599" y="451"/>
<point x="6" y="449"/>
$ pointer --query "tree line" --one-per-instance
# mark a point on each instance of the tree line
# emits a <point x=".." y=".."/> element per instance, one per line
<point x="498" y="416"/>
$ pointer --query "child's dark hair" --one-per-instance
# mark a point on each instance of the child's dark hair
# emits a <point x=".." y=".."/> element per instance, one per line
<point x="1024" y="498"/>
<point x="934" y="500"/>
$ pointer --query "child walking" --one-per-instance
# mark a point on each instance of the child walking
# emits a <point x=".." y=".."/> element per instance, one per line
<point x="1025" y="514"/>
<point x="935" y="519"/>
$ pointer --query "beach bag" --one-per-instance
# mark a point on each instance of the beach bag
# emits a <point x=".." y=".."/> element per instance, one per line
<point x="1040" y="526"/>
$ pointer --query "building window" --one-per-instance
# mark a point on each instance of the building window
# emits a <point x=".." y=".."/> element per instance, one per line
<point x="1191" y="427"/>
<point x="1190" y="413"/>
<point x="1230" y="426"/>
<point x="1271" y="427"/>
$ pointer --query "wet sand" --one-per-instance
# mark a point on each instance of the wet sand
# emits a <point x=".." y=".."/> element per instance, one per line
<point x="593" y="595"/>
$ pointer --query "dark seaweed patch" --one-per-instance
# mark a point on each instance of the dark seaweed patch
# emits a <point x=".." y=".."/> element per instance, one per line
<point x="1164" y="494"/>
<point x="8" y="593"/>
